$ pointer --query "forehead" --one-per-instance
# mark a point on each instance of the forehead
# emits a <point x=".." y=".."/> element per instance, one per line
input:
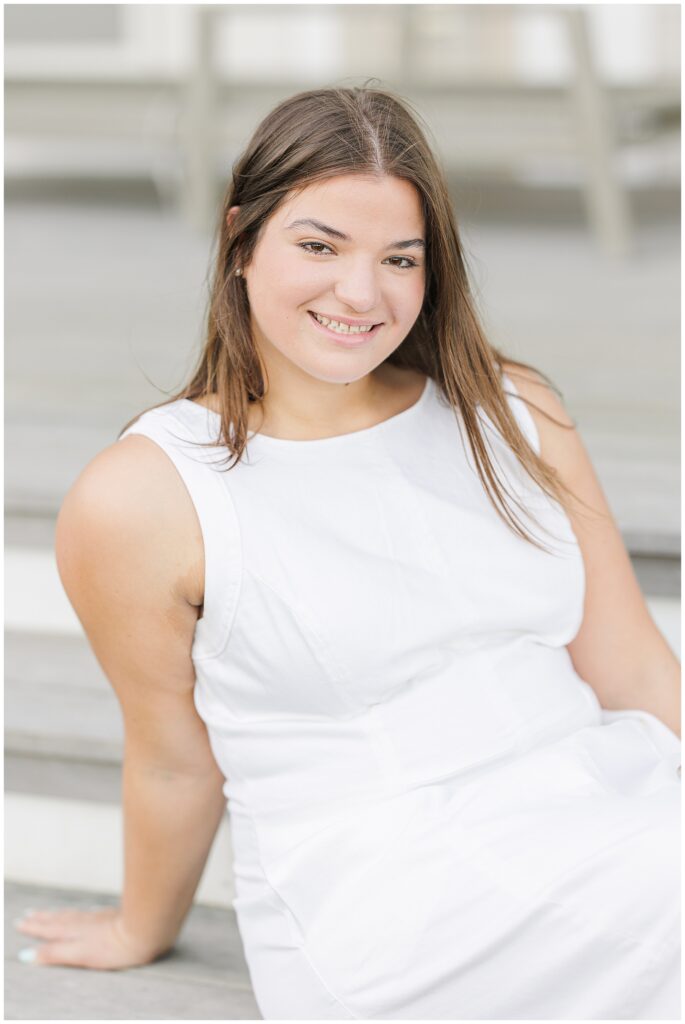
<point x="356" y="199"/>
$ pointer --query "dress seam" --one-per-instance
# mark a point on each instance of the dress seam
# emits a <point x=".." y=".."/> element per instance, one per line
<point x="315" y="642"/>
<point x="232" y="543"/>
<point x="288" y="912"/>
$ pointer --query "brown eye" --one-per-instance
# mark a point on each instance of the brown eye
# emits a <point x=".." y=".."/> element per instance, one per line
<point x="315" y="252"/>
<point x="410" y="263"/>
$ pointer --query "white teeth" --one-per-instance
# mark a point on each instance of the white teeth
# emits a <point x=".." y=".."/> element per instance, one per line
<point x="333" y="325"/>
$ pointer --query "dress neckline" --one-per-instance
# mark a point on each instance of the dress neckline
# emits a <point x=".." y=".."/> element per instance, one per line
<point x="267" y="440"/>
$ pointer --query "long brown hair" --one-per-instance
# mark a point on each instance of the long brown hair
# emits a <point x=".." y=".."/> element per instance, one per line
<point x="313" y="136"/>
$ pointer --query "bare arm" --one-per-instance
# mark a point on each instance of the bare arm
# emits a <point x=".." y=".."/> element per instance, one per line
<point x="129" y="553"/>
<point x="169" y="826"/>
<point x="618" y="649"/>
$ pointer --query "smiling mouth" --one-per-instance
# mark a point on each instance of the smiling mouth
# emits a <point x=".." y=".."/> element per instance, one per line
<point x="341" y="327"/>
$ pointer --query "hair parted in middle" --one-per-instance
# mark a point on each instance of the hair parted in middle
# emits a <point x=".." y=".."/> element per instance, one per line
<point x="323" y="133"/>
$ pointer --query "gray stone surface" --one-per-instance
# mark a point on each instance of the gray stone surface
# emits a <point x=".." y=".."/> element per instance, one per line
<point x="52" y="660"/>
<point x="65" y="778"/>
<point x="204" y="977"/>
<point x="63" y="723"/>
<point x="58" y="702"/>
<point x="658" y="577"/>
<point x="63" y="720"/>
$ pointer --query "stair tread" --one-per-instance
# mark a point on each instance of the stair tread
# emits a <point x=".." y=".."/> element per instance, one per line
<point x="204" y="977"/>
<point x="73" y="722"/>
<point x="79" y="715"/>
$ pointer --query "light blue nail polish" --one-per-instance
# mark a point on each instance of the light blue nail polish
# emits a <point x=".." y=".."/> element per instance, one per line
<point x="27" y="956"/>
<point x="31" y="910"/>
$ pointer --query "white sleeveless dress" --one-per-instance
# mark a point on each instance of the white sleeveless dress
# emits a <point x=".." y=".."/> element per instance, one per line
<point x="431" y="815"/>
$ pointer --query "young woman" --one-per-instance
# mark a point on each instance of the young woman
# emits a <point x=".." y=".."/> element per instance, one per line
<point x="447" y="731"/>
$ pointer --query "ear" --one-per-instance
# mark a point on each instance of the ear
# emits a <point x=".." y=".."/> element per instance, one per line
<point x="231" y="215"/>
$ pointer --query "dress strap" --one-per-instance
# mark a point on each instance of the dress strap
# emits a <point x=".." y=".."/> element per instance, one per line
<point x="208" y="488"/>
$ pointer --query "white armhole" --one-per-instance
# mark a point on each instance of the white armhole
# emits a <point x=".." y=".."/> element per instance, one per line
<point x="522" y="413"/>
<point x="218" y="521"/>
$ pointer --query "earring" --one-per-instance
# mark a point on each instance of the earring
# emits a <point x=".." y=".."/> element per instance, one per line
<point x="238" y="271"/>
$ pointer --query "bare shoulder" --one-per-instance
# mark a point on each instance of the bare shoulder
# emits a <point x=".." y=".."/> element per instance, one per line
<point x="130" y="505"/>
<point x="558" y="443"/>
<point x="561" y="445"/>
<point x="618" y="648"/>
<point x="127" y="544"/>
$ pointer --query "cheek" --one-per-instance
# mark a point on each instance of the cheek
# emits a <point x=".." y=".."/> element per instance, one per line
<point x="295" y="287"/>
<point x="418" y="295"/>
<point x="407" y="299"/>
<point x="275" y="294"/>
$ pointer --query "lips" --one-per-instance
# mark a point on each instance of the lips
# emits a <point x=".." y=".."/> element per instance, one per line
<point x="346" y="340"/>
<point x="344" y="319"/>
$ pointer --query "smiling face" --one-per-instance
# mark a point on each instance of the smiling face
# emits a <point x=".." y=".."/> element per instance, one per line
<point x="350" y="249"/>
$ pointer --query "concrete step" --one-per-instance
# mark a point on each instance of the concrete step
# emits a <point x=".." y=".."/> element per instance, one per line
<point x="204" y="977"/>
<point x="58" y="702"/>
<point x="78" y="844"/>
<point x="63" y="758"/>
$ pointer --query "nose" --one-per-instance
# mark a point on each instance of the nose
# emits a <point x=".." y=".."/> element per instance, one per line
<point x="357" y="287"/>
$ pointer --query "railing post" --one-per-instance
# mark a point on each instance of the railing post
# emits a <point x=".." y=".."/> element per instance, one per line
<point x="199" y="125"/>
<point x="606" y="202"/>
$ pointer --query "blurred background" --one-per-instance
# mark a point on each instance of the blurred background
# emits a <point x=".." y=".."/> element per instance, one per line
<point x="559" y="130"/>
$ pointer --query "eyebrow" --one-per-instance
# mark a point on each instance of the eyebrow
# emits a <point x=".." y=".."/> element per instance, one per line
<point x="334" y="233"/>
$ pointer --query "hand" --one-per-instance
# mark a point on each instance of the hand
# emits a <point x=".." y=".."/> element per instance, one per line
<point x="93" y="938"/>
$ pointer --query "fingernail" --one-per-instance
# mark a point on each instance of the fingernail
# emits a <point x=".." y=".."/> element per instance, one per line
<point x="31" y="910"/>
<point x="27" y="956"/>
